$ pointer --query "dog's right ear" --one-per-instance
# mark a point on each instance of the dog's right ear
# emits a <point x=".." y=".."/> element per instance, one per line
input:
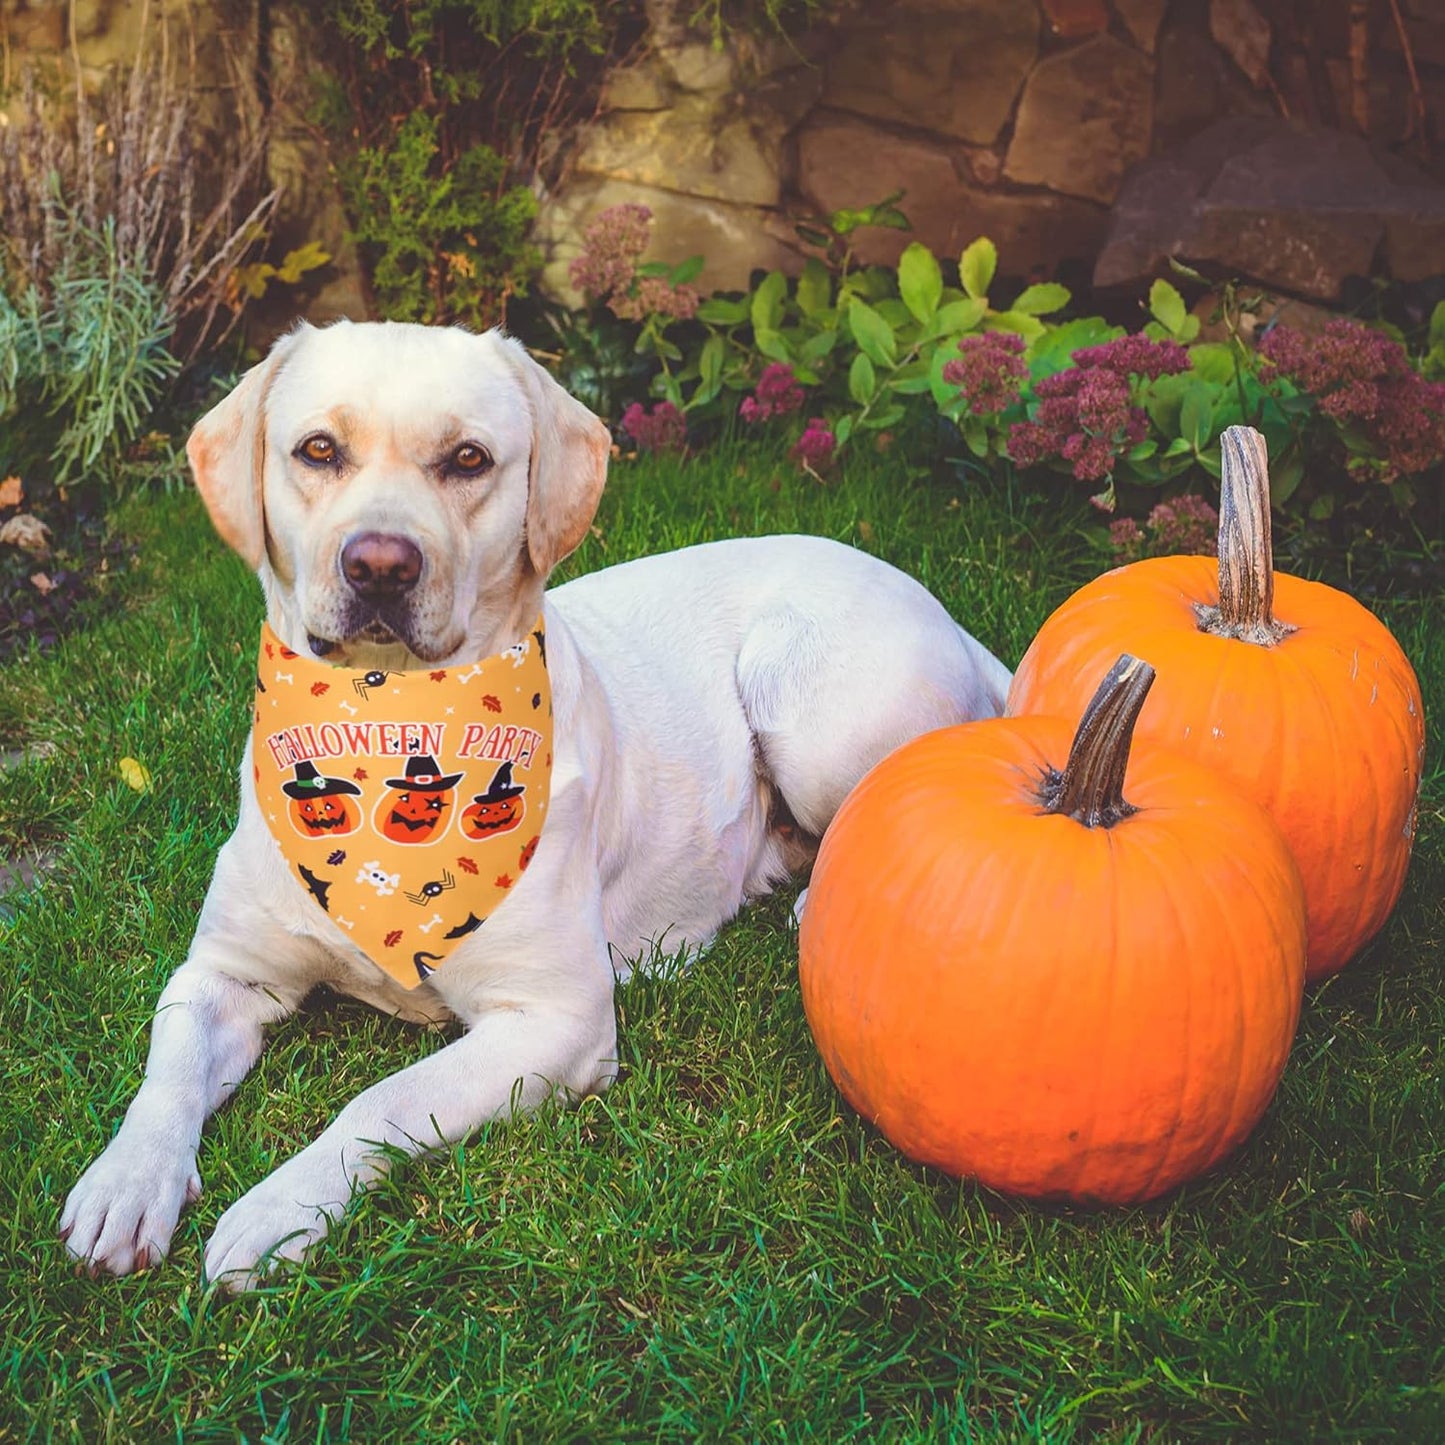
<point x="227" y="452"/>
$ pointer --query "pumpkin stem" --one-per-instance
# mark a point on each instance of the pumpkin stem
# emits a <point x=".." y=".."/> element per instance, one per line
<point x="1246" y="561"/>
<point x="1091" y="787"/>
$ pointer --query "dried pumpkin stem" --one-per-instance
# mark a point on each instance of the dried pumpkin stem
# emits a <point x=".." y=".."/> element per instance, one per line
<point x="1246" y="560"/>
<point x="1091" y="787"/>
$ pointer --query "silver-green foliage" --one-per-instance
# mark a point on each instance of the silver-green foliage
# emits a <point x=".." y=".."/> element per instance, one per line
<point x="86" y="365"/>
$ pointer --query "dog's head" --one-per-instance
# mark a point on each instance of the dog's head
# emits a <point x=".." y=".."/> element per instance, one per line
<point x="402" y="491"/>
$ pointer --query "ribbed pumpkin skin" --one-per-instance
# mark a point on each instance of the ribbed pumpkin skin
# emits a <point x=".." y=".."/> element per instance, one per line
<point x="1326" y="730"/>
<point x="1059" y="1011"/>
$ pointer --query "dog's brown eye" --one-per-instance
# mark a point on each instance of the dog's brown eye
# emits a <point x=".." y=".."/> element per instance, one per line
<point x="470" y="459"/>
<point x="318" y="451"/>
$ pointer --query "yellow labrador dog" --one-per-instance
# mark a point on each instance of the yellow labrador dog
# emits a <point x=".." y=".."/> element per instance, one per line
<point x="403" y="493"/>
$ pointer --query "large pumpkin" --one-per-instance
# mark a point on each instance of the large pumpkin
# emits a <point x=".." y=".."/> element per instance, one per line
<point x="1291" y="688"/>
<point x="1028" y="968"/>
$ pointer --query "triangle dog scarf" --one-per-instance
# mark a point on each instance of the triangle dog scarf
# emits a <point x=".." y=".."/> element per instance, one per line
<point x="406" y="803"/>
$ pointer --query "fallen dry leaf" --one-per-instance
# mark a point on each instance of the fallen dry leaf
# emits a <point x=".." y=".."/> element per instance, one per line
<point x="28" y="533"/>
<point x="12" y="492"/>
<point x="41" y="583"/>
<point x="135" y="775"/>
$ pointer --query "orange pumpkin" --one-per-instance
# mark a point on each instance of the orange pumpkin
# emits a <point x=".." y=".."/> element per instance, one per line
<point x="332" y="816"/>
<point x="321" y="807"/>
<point x="418" y="806"/>
<point x="1291" y="688"/>
<point x="499" y="809"/>
<point x="1028" y="968"/>
<point x="486" y="819"/>
<point x="414" y="815"/>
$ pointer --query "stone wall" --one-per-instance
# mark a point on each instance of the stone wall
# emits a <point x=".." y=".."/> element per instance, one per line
<point x="1086" y="137"/>
<point x="1016" y="119"/>
<point x="104" y="32"/>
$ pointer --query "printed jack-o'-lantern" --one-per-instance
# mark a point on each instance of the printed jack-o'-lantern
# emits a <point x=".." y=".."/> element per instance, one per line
<point x="499" y="809"/>
<point x="420" y="807"/>
<point x="321" y="807"/>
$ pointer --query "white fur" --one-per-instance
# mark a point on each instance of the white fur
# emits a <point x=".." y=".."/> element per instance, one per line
<point x="693" y="692"/>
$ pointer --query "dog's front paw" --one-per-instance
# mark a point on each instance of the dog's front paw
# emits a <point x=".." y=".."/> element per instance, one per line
<point x="273" y="1223"/>
<point x="122" y="1213"/>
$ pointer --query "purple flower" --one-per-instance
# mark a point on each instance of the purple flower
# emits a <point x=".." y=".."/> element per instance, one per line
<point x="1363" y="378"/>
<point x="1188" y="525"/>
<point x="814" y="449"/>
<point x="1134" y="356"/>
<point x="611" y="247"/>
<point x="1126" y="540"/>
<point x="1084" y="417"/>
<point x="652" y="295"/>
<point x="1086" y="414"/>
<point x="606" y="269"/>
<point x="991" y="372"/>
<point x="665" y="430"/>
<point x="778" y="392"/>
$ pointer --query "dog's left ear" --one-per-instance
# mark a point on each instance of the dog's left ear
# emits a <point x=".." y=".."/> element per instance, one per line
<point x="227" y="453"/>
<point x="570" y="448"/>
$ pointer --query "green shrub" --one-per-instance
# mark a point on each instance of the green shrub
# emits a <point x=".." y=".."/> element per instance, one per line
<point x="82" y="367"/>
<point x="1354" y="422"/>
<point x="121" y="234"/>
<point x="444" y="243"/>
<point x="442" y="204"/>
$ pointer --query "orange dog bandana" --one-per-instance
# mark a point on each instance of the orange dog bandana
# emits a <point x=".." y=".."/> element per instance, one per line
<point x="407" y="803"/>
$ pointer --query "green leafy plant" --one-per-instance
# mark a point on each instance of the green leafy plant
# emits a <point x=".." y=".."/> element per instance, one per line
<point x="446" y="242"/>
<point x="83" y="366"/>
<point x="184" y="208"/>
<point x="868" y="338"/>
<point x="831" y="236"/>
<point x="1432" y="364"/>
<point x="442" y="202"/>
<point x="253" y="280"/>
<point x="854" y="350"/>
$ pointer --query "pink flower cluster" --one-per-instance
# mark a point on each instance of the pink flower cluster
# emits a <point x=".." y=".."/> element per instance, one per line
<point x="1134" y="356"/>
<point x="815" y="448"/>
<point x="991" y="372"/>
<point x="778" y="392"/>
<point x="1188" y="525"/>
<point x="606" y="269"/>
<point x="654" y="295"/>
<point x="612" y="245"/>
<point x="1086" y="414"/>
<point x="665" y="430"/>
<point x="1363" y="378"/>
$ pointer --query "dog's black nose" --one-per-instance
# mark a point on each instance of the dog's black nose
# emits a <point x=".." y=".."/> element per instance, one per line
<point x="378" y="565"/>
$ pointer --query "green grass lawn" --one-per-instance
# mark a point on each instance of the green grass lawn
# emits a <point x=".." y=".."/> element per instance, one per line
<point x="718" y="1249"/>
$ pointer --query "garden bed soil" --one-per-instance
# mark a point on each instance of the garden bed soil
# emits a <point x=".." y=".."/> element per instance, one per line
<point x="45" y="595"/>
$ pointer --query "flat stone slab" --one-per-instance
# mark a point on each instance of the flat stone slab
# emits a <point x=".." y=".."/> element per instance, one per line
<point x="1294" y="208"/>
<point x="733" y="239"/>
<point x="921" y="64"/>
<point x="1085" y="118"/>
<point x="841" y="165"/>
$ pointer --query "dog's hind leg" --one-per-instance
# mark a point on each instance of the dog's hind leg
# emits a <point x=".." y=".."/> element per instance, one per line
<point x="831" y="690"/>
